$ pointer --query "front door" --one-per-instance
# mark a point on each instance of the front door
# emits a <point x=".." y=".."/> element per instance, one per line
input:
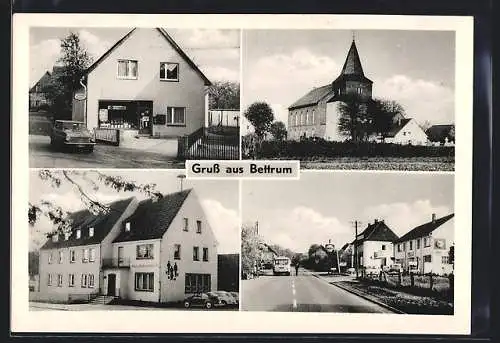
<point x="111" y="284"/>
<point x="144" y="111"/>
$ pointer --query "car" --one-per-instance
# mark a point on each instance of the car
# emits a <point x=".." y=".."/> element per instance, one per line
<point x="226" y="298"/>
<point x="395" y="269"/>
<point x="207" y="300"/>
<point x="70" y="133"/>
<point x="236" y="296"/>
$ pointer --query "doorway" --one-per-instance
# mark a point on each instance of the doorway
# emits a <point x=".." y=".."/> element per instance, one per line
<point x="111" y="284"/>
<point x="144" y="110"/>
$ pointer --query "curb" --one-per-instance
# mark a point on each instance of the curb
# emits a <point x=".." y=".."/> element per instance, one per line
<point x="363" y="295"/>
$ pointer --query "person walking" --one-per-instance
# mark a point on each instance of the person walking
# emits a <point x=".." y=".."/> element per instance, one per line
<point x="297" y="264"/>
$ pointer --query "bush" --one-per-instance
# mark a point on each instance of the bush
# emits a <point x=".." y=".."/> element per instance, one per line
<point x="310" y="149"/>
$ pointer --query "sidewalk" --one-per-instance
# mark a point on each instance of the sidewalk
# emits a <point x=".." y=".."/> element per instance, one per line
<point x="165" y="146"/>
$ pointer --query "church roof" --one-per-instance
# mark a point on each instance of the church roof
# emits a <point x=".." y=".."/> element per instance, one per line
<point x="352" y="69"/>
<point x="313" y="97"/>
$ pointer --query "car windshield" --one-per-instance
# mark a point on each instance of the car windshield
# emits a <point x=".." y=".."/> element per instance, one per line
<point x="73" y="126"/>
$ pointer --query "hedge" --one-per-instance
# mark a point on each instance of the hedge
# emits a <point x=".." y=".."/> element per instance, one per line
<point x="312" y="149"/>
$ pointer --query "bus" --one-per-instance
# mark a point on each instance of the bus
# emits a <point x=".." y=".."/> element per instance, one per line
<point x="281" y="266"/>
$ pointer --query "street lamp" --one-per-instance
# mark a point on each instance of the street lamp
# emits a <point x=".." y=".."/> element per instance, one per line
<point x="181" y="177"/>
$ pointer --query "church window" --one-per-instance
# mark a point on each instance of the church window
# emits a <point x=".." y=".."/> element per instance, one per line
<point x="313" y="119"/>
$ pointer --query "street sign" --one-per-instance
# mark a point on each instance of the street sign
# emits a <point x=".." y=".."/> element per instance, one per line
<point x="80" y="96"/>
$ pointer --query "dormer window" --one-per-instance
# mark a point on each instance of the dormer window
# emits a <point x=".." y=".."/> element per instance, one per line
<point x="127" y="226"/>
<point x="91" y="232"/>
<point x="78" y="233"/>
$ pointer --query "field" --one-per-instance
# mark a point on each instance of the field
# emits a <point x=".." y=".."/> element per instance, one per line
<point x="382" y="163"/>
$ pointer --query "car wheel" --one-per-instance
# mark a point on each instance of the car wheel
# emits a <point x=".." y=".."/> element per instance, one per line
<point x="223" y="302"/>
<point x="208" y="305"/>
<point x="186" y="304"/>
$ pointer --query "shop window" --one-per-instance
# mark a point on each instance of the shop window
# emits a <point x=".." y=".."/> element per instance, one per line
<point x="196" y="283"/>
<point x="176" y="116"/>
<point x="169" y="71"/>
<point x="144" y="282"/>
<point x="127" y="69"/>
<point x="144" y="252"/>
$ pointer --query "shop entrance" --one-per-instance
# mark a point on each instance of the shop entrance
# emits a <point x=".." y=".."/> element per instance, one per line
<point x="122" y="114"/>
<point x="144" y="110"/>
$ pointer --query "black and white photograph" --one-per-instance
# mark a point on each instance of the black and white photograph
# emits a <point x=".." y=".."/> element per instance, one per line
<point x="349" y="243"/>
<point x="137" y="240"/>
<point x="132" y="97"/>
<point x="350" y="99"/>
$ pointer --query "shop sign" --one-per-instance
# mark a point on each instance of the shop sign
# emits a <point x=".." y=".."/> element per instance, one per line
<point x="103" y="114"/>
<point x="117" y="107"/>
<point x="80" y="96"/>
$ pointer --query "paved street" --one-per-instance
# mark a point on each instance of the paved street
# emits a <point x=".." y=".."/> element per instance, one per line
<point x="302" y="293"/>
<point x="36" y="306"/>
<point x="104" y="156"/>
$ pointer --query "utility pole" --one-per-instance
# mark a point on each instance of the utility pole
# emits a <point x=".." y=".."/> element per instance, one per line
<point x="356" y="223"/>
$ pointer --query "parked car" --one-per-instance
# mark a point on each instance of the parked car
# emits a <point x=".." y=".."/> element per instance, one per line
<point x="226" y="298"/>
<point x="69" y="133"/>
<point x="395" y="269"/>
<point x="370" y="270"/>
<point x="236" y="296"/>
<point x="207" y="300"/>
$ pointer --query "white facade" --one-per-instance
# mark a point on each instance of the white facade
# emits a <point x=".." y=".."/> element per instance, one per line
<point x="374" y="254"/>
<point x="411" y="133"/>
<point x="332" y="123"/>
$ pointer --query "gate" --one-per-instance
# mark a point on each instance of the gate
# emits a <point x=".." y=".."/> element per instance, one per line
<point x="203" y="145"/>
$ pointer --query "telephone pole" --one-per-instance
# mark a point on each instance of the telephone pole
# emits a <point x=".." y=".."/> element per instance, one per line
<point x="356" y="223"/>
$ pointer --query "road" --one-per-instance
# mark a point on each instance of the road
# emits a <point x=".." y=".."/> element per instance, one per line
<point x="104" y="156"/>
<point x="302" y="293"/>
<point x="35" y="306"/>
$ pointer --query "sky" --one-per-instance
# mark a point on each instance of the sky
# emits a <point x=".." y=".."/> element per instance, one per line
<point x="216" y="52"/>
<point x="219" y="199"/>
<point x="323" y="206"/>
<point x="415" y="68"/>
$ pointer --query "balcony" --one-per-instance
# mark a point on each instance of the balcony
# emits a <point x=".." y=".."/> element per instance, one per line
<point x="116" y="263"/>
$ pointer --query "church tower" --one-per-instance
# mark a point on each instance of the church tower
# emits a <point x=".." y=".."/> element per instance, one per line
<point x="352" y="80"/>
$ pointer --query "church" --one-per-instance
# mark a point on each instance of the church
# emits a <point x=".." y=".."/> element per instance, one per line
<point x="315" y="114"/>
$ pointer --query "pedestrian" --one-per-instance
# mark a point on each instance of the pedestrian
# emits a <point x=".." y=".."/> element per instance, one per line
<point x="297" y="264"/>
<point x="175" y="271"/>
<point x="168" y="269"/>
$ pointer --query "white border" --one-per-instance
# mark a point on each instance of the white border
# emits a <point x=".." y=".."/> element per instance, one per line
<point x="22" y="320"/>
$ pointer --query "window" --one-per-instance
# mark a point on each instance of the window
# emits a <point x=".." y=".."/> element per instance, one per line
<point x="399" y="247"/>
<point x="91" y="232"/>
<point x="313" y="117"/>
<point x="144" y="252"/>
<point x="383" y="246"/>
<point x="177" y="252"/>
<point x="296" y="119"/>
<point x="176" y="116"/>
<point x="127" y="226"/>
<point x="72" y="256"/>
<point x="127" y="69"/>
<point x="427" y="241"/>
<point x="404" y="246"/>
<point x="302" y="118"/>
<point x="205" y="254"/>
<point x="411" y="245"/>
<point x="49" y="280"/>
<point x="144" y="282"/>
<point x="61" y="256"/>
<point x="49" y="258"/>
<point x="195" y="283"/>
<point x="84" y="280"/>
<point x="91" y="280"/>
<point x="307" y="117"/>
<point x="71" y="280"/>
<point x="85" y="256"/>
<point x="427" y="258"/>
<point x="418" y="243"/>
<point x="78" y="233"/>
<point x="196" y="253"/>
<point x="92" y="255"/>
<point x="444" y="259"/>
<point x="186" y="223"/>
<point x="169" y="71"/>
<point x="59" y="280"/>
<point x="198" y="226"/>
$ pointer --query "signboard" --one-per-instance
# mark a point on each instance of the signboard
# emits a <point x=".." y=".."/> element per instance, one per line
<point x="411" y="254"/>
<point x="117" y="107"/>
<point x="103" y="114"/>
<point x="329" y="248"/>
<point x="440" y="243"/>
<point x="80" y="96"/>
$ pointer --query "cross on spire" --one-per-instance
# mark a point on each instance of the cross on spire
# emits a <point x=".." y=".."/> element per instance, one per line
<point x="353" y="35"/>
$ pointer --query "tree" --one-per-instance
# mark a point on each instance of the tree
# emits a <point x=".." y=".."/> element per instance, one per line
<point x="250" y="248"/>
<point x="260" y="115"/>
<point x="354" y="121"/>
<point x="384" y="113"/>
<point x="278" y="130"/>
<point x="224" y="95"/>
<point x="82" y="182"/>
<point x="65" y="79"/>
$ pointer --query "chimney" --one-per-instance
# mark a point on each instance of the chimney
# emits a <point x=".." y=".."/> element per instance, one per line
<point x="329" y="241"/>
<point x="433" y="217"/>
<point x="376" y="221"/>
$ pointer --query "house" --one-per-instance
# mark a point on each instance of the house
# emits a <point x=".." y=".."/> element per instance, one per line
<point x="155" y="250"/>
<point x="425" y="248"/>
<point x="38" y="93"/>
<point x="373" y="246"/>
<point x="228" y="270"/>
<point x="346" y="256"/>
<point x="441" y="134"/>
<point x="316" y="114"/>
<point x="406" y="132"/>
<point x="145" y="84"/>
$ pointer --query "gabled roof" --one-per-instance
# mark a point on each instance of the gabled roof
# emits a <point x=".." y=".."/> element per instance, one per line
<point x="398" y="126"/>
<point x="352" y="69"/>
<point x="151" y="219"/>
<point x="171" y="42"/>
<point x="313" y="97"/>
<point x="424" y="229"/>
<point x="438" y="133"/>
<point x="43" y="80"/>
<point x="83" y="220"/>
<point x="377" y="231"/>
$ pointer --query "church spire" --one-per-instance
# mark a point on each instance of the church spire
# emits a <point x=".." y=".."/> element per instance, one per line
<point x="352" y="65"/>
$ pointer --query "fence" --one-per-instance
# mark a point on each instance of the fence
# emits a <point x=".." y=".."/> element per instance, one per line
<point x="205" y="145"/>
<point x="107" y="135"/>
